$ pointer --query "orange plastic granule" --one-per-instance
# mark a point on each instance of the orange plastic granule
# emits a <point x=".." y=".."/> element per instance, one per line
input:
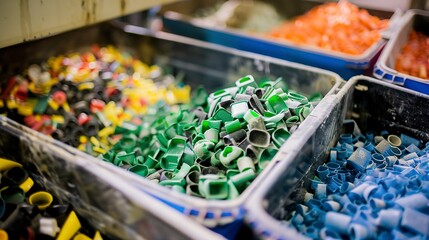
<point x="414" y="57"/>
<point x="341" y="27"/>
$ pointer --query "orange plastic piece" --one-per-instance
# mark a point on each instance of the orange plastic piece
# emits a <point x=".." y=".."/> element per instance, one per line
<point x="414" y="57"/>
<point x="341" y="27"/>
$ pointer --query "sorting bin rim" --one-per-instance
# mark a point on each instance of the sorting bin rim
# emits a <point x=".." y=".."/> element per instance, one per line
<point x="139" y="198"/>
<point x="382" y="60"/>
<point x="256" y="213"/>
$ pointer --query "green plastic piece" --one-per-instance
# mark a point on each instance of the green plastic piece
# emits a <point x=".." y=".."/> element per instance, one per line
<point x="128" y="142"/>
<point x="193" y="177"/>
<point x="276" y="104"/>
<point x="184" y="170"/>
<point x="232" y="126"/>
<point x="123" y="157"/>
<point x="125" y="128"/>
<point x="229" y="154"/>
<point x="304" y="113"/>
<point x="200" y="97"/>
<point x="41" y="105"/>
<point x="266" y="156"/>
<point x="315" y="97"/>
<point x="162" y="139"/>
<point x="212" y="135"/>
<point x="188" y="156"/>
<point x="213" y="186"/>
<point x="245" y="163"/>
<point x="223" y="115"/>
<point x="172" y="182"/>
<point x="251" y="114"/>
<point x="280" y="136"/>
<point x="211" y="123"/>
<point x="171" y="158"/>
<point x="171" y="132"/>
<point x="219" y="94"/>
<point x="294" y="120"/>
<point x="139" y="169"/>
<point x="298" y="97"/>
<point x="202" y="148"/>
<point x="240" y="179"/>
<point x="246" y="81"/>
<point x="150" y="162"/>
<point x="13" y="195"/>
<point x="214" y="159"/>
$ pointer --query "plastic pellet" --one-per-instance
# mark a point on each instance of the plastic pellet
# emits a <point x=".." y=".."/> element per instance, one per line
<point x="341" y="36"/>
<point x="231" y="134"/>
<point x="100" y="97"/>
<point x="373" y="196"/>
<point x="27" y="211"/>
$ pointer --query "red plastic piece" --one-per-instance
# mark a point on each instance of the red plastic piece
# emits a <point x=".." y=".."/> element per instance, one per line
<point x="83" y="119"/>
<point x="59" y="97"/>
<point x="97" y="105"/>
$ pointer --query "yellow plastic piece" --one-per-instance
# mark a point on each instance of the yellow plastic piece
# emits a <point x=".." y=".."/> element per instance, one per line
<point x="81" y="236"/>
<point x="25" y="110"/>
<point x="82" y="147"/>
<point x="27" y="185"/>
<point x="182" y="95"/>
<point x="83" y="139"/>
<point x="5" y="236"/>
<point x="41" y="199"/>
<point x="70" y="227"/>
<point x="66" y="107"/>
<point x="6" y="164"/>
<point x="53" y="104"/>
<point x="105" y="132"/>
<point x="94" y="141"/>
<point x="97" y="236"/>
<point x="86" y="86"/>
<point x="11" y="104"/>
<point x="1" y="104"/>
<point x="58" y="119"/>
<point x="99" y="150"/>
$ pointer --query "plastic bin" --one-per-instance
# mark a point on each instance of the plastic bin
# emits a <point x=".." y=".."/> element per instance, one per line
<point x="374" y="105"/>
<point x="210" y="65"/>
<point x="177" y="19"/>
<point x="99" y="196"/>
<point x="385" y="66"/>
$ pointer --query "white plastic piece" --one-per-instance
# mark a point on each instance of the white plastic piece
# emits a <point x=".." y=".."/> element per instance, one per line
<point x="239" y="109"/>
<point x="49" y="226"/>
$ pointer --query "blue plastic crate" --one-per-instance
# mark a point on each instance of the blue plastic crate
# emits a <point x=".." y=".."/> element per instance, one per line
<point x="345" y="65"/>
<point x="384" y="68"/>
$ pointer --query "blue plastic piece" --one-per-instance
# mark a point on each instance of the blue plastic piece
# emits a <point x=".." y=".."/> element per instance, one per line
<point x="337" y="222"/>
<point x="415" y="221"/>
<point x="412" y="148"/>
<point x="359" y="159"/>
<point x="346" y="138"/>
<point x="407" y="140"/>
<point x="416" y="201"/>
